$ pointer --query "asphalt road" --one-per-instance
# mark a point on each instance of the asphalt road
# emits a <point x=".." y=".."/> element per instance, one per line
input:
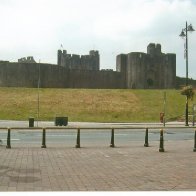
<point x="94" y="137"/>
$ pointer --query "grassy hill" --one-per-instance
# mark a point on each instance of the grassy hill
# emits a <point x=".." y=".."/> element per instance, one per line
<point x="91" y="104"/>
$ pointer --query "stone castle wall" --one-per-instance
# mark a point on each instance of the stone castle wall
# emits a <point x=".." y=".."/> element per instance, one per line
<point x="53" y="76"/>
<point x="151" y="70"/>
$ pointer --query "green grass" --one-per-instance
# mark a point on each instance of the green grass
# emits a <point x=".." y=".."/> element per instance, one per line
<point x="91" y="105"/>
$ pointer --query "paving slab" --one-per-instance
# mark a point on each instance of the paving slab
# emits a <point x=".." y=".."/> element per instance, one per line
<point x="131" y="167"/>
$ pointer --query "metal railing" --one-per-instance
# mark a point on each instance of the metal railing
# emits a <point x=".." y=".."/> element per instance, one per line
<point x="112" y="144"/>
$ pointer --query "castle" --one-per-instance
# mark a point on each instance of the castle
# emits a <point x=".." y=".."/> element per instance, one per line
<point x="29" y="59"/>
<point x="154" y="70"/>
<point x="74" y="61"/>
<point x="151" y="70"/>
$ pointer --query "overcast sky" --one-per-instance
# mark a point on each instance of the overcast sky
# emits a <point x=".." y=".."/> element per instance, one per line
<point x="38" y="28"/>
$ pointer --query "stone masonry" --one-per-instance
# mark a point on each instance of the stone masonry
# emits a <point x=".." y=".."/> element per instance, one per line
<point x="83" y="62"/>
<point x="153" y="70"/>
<point x="29" y="59"/>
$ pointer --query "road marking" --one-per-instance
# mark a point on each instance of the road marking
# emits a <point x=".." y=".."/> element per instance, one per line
<point x="48" y="135"/>
<point x="121" y="134"/>
<point x="11" y="139"/>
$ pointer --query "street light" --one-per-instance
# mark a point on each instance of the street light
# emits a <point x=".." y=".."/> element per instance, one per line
<point x="184" y="34"/>
<point x="38" y="97"/>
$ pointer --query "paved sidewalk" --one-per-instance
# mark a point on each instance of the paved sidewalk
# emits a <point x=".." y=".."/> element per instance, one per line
<point x="132" y="167"/>
<point x="14" y="123"/>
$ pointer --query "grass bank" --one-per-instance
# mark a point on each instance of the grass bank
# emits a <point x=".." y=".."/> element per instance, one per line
<point x="93" y="105"/>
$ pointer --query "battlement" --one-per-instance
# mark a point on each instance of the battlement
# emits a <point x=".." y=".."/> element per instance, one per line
<point x="28" y="59"/>
<point x="75" y="61"/>
<point x="107" y="70"/>
<point x="154" y="49"/>
<point x="94" y="53"/>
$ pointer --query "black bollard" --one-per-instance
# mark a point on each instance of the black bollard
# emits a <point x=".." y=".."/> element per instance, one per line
<point x="146" y="138"/>
<point x="44" y="138"/>
<point x="78" y="139"/>
<point x="194" y="149"/>
<point x="161" y="147"/>
<point x="8" y="139"/>
<point x="112" y="139"/>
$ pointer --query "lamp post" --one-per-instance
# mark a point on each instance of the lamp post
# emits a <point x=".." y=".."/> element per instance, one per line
<point x="38" y="97"/>
<point x="184" y="34"/>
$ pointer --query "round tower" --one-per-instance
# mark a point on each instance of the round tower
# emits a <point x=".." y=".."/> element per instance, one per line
<point x="136" y="70"/>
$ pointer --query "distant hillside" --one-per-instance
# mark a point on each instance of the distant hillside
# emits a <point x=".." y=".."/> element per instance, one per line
<point x="182" y="81"/>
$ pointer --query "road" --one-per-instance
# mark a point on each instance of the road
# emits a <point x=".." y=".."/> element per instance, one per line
<point x="94" y="137"/>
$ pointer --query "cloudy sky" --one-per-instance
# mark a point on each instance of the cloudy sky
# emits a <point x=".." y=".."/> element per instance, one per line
<point x="38" y="28"/>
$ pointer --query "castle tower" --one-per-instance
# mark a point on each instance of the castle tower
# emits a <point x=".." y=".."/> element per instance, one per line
<point x="59" y="57"/>
<point x="153" y="70"/>
<point x="170" y="71"/>
<point x="158" y="49"/>
<point x="151" y="49"/>
<point x="121" y="65"/>
<point x="95" y="61"/>
<point x="74" y="61"/>
<point x="136" y="70"/>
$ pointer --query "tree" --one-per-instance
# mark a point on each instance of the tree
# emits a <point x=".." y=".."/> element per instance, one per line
<point x="188" y="91"/>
